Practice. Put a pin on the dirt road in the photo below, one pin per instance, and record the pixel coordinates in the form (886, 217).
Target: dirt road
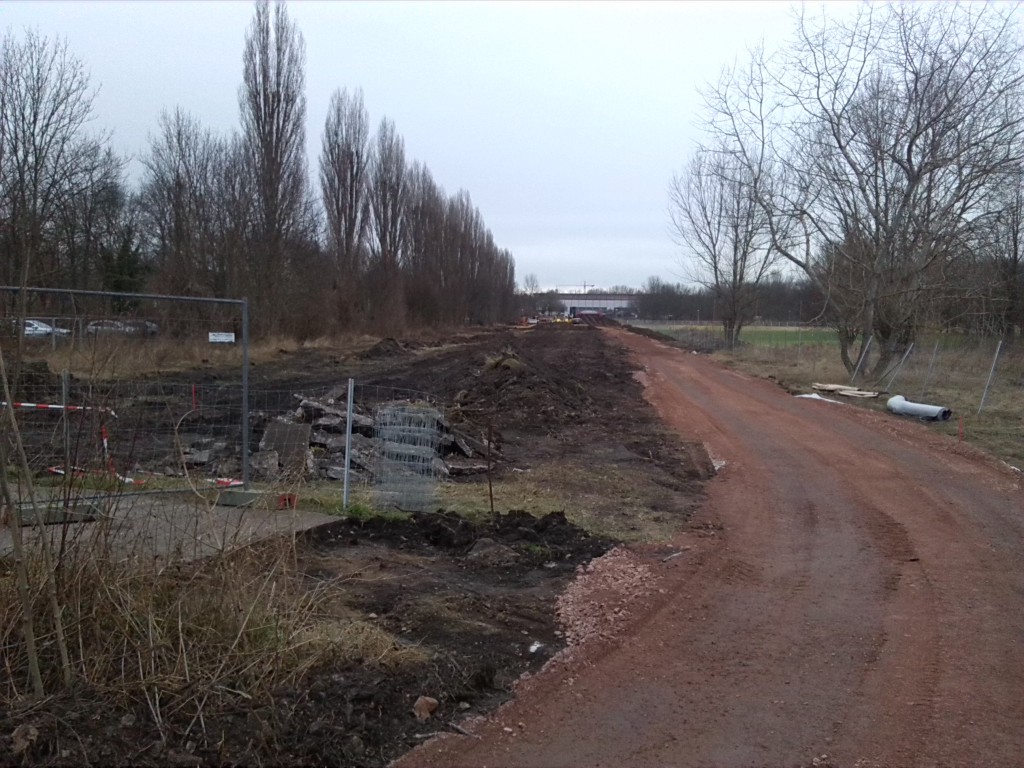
(853, 588)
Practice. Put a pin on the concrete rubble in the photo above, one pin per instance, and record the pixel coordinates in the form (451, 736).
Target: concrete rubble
(308, 441)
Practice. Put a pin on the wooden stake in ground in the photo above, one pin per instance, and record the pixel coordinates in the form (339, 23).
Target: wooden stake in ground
(490, 484)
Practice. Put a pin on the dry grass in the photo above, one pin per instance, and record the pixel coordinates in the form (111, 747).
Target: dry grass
(178, 642)
(601, 499)
(126, 357)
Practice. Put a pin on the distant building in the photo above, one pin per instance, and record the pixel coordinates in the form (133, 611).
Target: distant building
(609, 303)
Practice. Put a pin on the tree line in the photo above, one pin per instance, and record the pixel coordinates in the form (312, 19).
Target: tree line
(374, 243)
(880, 155)
(779, 299)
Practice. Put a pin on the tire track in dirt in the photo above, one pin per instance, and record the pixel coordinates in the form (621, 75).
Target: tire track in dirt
(861, 600)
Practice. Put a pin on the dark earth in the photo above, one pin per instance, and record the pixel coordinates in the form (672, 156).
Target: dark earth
(473, 595)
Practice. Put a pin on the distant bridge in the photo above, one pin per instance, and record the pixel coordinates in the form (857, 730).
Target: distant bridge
(605, 301)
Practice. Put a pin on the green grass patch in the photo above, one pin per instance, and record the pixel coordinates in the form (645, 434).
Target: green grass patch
(789, 337)
(753, 335)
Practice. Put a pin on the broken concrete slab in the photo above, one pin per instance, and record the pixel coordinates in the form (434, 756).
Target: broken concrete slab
(471, 446)
(463, 446)
(465, 467)
(315, 409)
(291, 441)
(330, 424)
(332, 443)
(197, 458)
(266, 463)
(52, 514)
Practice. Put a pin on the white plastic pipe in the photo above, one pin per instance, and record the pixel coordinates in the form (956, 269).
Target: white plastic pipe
(900, 405)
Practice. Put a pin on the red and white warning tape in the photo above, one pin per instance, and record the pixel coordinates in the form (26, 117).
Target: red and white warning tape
(78, 472)
(53, 407)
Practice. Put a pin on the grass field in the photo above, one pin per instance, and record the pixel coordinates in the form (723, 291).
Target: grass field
(755, 335)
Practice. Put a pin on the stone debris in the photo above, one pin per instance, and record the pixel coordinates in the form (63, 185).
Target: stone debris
(308, 440)
(599, 602)
(489, 552)
(424, 707)
(460, 454)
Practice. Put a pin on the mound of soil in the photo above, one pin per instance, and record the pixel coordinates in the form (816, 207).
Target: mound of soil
(535, 381)
(550, 539)
(385, 348)
(554, 392)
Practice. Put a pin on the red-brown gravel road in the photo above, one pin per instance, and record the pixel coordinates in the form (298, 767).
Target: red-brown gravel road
(853, 587)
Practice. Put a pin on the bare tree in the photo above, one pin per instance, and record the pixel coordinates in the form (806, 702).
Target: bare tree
(716, 218)
(232, 214)
(428, 283)
(178, 202)
(47, 104)
(273, 110)
(388, 199)
(998, 263)
(89, 219)
(344, 161)
(872, 145)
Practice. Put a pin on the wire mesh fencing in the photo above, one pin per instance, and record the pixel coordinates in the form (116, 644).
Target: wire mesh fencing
(124, 435)
(409, 435)
(385, 446)
(971, 374)
(148, 435)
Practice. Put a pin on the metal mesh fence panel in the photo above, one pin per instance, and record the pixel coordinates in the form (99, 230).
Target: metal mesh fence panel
(143, 436)
(409, 436)
(126, 435)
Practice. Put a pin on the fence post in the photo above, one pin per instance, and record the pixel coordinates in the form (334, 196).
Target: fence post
(245, 393)
(348, 439)
(67, 425)
(991, 373)
(928, 377)
(863, 357)
(900, 366)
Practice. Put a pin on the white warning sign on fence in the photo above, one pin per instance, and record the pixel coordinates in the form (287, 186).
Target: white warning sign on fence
(221, 338)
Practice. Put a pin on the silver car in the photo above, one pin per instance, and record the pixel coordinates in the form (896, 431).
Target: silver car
(37, 329)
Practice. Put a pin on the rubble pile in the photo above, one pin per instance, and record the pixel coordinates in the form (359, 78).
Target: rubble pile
(310, 442)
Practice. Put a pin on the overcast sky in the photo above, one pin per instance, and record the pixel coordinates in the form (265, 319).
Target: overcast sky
(564, 121)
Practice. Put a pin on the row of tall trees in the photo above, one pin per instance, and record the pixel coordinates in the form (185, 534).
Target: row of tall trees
(881, 155)
(419, 254)
(376, 245)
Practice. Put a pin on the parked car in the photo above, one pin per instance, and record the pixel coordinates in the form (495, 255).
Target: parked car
(122, 328)
(104, 328)
(143, 327)
(37, 329)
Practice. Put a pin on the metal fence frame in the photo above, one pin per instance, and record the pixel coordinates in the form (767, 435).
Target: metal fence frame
(242, 303)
